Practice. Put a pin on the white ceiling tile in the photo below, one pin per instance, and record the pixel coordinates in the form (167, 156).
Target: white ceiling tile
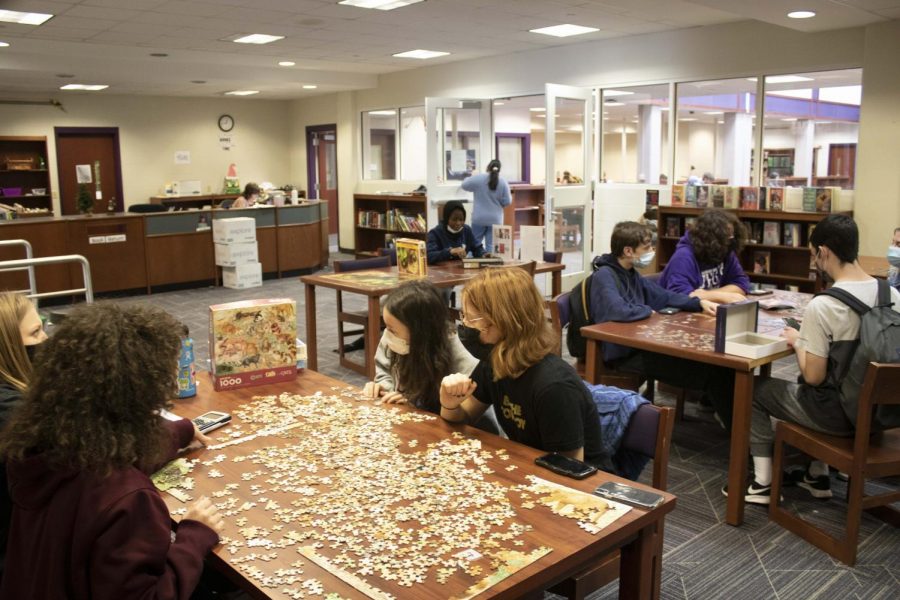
(101, 13)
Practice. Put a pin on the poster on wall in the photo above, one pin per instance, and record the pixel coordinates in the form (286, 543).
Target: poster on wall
(83, 174)
(182, 157)
(460, 164)
(226, 141)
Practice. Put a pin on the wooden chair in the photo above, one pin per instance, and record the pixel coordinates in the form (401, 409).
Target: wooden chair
(356, 318)
(553, 257)
(391, 252)
(529, 267)
(866, 455)
(649, 433)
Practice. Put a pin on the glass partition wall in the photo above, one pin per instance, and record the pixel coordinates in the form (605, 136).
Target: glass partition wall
(635, 124)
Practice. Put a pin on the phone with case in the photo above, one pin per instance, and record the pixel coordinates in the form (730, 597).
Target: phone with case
(612, 490)
(570, 467)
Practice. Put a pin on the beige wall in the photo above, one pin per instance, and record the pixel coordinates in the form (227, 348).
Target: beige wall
(151, 129)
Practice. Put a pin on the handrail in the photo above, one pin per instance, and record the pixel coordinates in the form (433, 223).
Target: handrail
(29, 254)
(87, 290)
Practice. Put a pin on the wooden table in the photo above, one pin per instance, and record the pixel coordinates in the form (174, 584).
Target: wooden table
(691, 336)
(572, 549)
(876, 266)
(375, 283)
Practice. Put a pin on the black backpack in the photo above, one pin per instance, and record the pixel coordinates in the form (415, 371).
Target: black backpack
(879, 341)
(580, 314)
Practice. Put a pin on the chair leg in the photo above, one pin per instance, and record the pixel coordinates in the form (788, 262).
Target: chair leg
(854, 515)
(679, 404)
(650, 392)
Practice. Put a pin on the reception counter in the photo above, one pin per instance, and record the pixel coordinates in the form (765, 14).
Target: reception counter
(129, 251)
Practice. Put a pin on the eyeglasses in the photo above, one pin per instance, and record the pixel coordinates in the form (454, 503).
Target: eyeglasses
(466, 320)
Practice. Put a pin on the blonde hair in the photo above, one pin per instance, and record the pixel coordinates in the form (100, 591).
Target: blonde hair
(15, 368)
(509, 299)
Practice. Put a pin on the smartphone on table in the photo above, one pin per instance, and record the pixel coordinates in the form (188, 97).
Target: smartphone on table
(792, 322)
(212, 420)
(612, 490)
(570, 467)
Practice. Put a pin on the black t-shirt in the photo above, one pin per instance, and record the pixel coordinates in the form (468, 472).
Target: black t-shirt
(548, 407)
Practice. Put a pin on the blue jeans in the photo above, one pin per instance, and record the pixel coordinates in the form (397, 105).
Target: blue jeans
(486, 232)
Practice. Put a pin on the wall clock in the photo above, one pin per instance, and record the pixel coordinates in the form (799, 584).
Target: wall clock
(226, 122)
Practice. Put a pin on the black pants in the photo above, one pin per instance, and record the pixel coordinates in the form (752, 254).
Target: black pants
(716, 382)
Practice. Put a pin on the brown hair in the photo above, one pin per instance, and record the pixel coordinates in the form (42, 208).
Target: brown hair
(629, 234)
(709, 236)
(15, 368)
(509, 299)
(96, 387)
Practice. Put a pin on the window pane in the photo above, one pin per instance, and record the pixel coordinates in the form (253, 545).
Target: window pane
(519, 126)
(379, 130)
(509, 151)
(461, 139)
(569, 146)
(715, 131)
(412, 143)
(811, 128)
(635, 134)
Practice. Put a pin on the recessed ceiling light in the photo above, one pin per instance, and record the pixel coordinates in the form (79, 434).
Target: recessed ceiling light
(720, 122)
(613, 103)
(383, 113)
(158, 54)
(790, 119)
(258, 38)
(714, 112)
(801, 14)
(824, 122)
(537, 109)
(198, 81)
(4, 44)
(420, 54)
(688, 119)
(379, 4)
(286, 63)
(242, 93)
(310, 87)
(82, 86)
(783, 79)
(565, 30)
(614, 93)
(24, 18)
(499, 103)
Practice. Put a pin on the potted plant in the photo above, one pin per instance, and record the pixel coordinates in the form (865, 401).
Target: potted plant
(84, 202)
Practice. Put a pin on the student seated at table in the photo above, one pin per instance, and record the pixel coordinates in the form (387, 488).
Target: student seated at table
(87, 521)
(418, 348)
(893, 256)
(452, 239)
(619, 293)
(828, 329)
(21, 331)
(705, 262)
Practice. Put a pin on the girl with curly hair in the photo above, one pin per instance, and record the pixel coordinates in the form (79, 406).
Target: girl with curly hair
(86, 520)
(705, 263)
(539, 399)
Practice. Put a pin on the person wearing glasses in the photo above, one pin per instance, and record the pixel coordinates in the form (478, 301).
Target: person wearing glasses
(539, 399)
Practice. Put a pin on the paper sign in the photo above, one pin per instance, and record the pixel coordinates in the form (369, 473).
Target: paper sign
(83, 174)
(226, 141)
(182, 157)
(532, 237)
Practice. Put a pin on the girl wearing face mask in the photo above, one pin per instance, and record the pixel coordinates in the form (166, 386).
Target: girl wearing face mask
(705, 264)
(452, 239)
(417, 349)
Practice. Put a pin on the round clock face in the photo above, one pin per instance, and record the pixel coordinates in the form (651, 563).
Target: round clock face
(226, 122)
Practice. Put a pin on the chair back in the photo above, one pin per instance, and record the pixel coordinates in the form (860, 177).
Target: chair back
(359, 264)
(529, 267)
(147, 208)
(650, 433)
(562, 307)
(392, 252)
(226, 203)
(880, 386)
(551, 256)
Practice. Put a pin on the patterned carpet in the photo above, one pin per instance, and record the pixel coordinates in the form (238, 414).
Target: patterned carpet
(704, 557)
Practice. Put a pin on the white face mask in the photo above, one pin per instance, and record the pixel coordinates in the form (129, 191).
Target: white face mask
(893, 256)
(644, 260)
(454, 231)
(396, 344)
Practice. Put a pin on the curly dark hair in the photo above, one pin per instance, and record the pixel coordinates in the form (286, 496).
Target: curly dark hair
(710, 238)
(420, 306)
(96, 386)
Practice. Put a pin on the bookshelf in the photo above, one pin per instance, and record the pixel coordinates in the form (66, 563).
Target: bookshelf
(526, 208)
(379, 214)
(780, 160)
(23, 170)
(788, 258)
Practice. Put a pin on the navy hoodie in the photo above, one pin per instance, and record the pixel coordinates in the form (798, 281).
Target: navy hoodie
(624, 296)
(440, 240)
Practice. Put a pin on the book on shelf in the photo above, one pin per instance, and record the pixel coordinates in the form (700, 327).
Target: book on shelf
(690, 195)
(775, 198)
(824, 197)
(809, 199)
(792, 234)
(793, 199)
(397, 221)
(689, 222)
(503, 241)
(411, 257)
(772, 233)
(756, 232)
(652, 198)
(732, 196)
(717, 196)
(673, 227)
(749, 196)
(702, 196)
(371, 218)
(678, 195)
(762, 262)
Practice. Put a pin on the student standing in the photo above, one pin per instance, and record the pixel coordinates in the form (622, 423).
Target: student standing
(491, 194)
(452, 239)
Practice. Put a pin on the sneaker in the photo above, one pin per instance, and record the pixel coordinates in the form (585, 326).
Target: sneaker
(818, 487)
(843, 476)
(756, 493)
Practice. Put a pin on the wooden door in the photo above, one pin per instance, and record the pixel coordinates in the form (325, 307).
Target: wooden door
(86, 146)
(322, 175)
(842, 162)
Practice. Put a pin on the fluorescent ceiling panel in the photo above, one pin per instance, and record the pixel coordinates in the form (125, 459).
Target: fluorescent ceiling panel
(24, 18)
(565, 30)
(259, 38)
(379, 4)
(81, 86)
(420, 54)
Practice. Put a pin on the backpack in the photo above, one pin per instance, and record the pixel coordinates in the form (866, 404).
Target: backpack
(580, 314)
(879, 341)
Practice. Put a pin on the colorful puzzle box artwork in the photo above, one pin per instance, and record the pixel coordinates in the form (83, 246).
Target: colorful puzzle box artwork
(253, 342)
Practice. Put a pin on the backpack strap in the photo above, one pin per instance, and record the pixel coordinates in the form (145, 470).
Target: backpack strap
(884, 293)
(849, 299)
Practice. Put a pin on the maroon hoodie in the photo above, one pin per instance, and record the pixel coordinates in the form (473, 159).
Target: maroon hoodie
(75, 534)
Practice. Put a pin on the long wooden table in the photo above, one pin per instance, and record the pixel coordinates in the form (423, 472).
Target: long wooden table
(375, 283)
(691, 336)
(571, 548)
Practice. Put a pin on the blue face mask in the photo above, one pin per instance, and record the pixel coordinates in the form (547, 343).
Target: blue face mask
(643, 261)
(893, 256)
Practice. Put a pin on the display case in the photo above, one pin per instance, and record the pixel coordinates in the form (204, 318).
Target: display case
(24, 176)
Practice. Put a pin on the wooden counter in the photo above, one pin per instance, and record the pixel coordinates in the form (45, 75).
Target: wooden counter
(193, 201)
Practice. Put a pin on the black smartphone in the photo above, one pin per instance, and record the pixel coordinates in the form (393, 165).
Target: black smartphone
(570, 467)
(669, 310)
(759, 292)
(212, 420)
(625, 493)
(792, 322)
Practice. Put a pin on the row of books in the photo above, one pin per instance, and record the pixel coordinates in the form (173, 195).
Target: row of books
(393, 220)
(806, 199)
(768, 233)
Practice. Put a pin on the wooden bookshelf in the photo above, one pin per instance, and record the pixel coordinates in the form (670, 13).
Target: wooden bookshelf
(526, 208)
(369, 239)
(23, 169)
(788, 264)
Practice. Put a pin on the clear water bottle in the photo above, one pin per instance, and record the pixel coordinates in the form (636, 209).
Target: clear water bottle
(187, 381)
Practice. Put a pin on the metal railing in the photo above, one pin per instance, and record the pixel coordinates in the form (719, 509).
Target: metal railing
(29, 254)
(30, 263)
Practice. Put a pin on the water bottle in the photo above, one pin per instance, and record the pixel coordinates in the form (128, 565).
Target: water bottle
(187, 382)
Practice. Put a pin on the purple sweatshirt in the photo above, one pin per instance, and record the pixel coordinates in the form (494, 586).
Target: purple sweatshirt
(683, 274)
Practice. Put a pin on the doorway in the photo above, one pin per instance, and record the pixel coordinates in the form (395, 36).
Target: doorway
(98, 148)
(321, 169)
